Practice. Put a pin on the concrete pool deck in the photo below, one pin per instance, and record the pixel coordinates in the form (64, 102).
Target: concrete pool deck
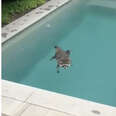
(22, 100)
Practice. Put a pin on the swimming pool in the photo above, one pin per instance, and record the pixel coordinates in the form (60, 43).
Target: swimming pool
(89, 32)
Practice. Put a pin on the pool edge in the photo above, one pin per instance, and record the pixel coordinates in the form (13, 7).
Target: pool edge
(21, 97)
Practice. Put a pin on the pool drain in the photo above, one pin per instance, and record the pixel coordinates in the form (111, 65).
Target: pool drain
(96, 112)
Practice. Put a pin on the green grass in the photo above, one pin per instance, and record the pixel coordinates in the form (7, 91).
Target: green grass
(11, 10)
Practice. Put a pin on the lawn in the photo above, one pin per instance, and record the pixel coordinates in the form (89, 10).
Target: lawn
(12, 9)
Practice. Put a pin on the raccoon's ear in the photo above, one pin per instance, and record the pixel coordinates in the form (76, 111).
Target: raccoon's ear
(55, 46)
(68, 52)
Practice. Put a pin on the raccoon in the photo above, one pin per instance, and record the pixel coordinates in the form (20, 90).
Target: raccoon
(62, 58)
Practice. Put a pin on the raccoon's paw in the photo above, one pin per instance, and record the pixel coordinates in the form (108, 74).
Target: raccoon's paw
(50, 59)
(58, 71)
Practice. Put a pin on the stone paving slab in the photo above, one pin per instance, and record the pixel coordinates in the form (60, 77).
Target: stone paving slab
(12, 107)
(11, 90)
(35, 110)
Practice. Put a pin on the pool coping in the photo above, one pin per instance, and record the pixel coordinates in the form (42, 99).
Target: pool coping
(19, 100)
(30, 18)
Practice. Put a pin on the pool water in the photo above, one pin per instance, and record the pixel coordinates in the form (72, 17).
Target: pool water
(89, 32)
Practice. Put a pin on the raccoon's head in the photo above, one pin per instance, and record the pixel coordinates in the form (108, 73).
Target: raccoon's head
(64, 63)
(65, 66)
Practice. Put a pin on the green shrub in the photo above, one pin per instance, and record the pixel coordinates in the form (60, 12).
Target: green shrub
(12, 8)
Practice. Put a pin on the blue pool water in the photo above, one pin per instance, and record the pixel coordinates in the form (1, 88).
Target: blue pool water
(89, 32)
